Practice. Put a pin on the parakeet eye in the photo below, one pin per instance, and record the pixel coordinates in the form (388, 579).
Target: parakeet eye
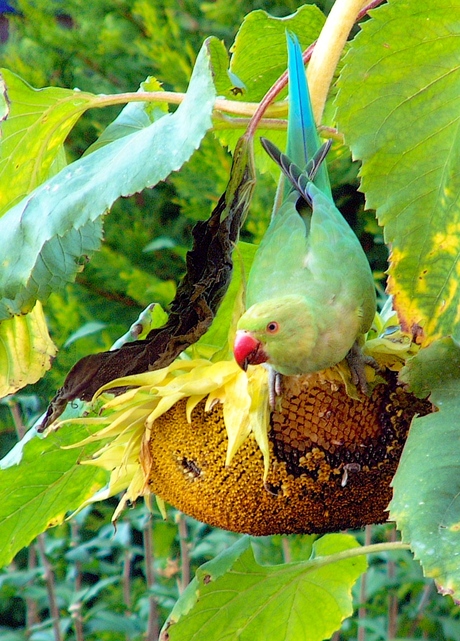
(272, 327)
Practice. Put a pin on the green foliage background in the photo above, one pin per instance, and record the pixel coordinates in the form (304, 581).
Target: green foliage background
(100, 575)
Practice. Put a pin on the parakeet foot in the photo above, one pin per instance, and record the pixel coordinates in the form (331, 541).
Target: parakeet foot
(356, 362)
(274, 386)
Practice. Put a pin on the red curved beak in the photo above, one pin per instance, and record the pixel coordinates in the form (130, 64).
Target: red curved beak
(248, 350)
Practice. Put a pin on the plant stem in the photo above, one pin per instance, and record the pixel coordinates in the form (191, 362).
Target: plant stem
(184, 553)
(127, 580)
(421, 607)
(226, 106)
(328, 50)
(77, 605)
(32, 617)
(362, 591)
(392, 597)
(50, 587)
(153, 627)
(368, 7)
(352, 552)
(15, 410)
(287, 557)
(343, 15)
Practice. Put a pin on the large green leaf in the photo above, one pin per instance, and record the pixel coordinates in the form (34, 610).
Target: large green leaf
(40, 489)
(26, 350)
(399, 106)
(45, 236)
(234, 597)
(426, 502)
(37, 123)
(259, 54)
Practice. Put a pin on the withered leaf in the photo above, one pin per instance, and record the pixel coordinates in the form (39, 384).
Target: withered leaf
(199, 294)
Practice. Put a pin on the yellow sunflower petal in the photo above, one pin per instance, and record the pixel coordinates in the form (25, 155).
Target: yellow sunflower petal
(192, 402)
(236, 413)
(163, 406)
(259, 413)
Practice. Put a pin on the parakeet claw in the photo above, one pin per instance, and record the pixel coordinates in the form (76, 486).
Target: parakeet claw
(274, 386)
(356, 362)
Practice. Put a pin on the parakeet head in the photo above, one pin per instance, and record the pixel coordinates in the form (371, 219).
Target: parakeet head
(275, 331)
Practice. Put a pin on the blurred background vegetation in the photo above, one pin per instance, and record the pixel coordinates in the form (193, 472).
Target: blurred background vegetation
(105, 584)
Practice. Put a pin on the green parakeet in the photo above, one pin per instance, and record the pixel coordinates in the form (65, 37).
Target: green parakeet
(310, 292)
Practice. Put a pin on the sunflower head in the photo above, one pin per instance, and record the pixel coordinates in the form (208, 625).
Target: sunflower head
(199, 434)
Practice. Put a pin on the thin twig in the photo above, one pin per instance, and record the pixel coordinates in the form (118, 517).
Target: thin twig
(271, 95)
(375, 548)
(50, 588)
(222, 121)
(176, 98)
(153, 626)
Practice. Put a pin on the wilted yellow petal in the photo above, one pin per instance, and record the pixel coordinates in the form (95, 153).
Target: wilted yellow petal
(192, 402)
(135, 489)
(122, 399)
(163, 406)
(147, 379)
(259, 413)
(236, 413)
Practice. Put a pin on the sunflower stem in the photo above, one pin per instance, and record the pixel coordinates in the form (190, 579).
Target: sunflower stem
(363, 591)
(50, 587)
(184, 553)
(359, 551)
(392, 597)
(153, 628)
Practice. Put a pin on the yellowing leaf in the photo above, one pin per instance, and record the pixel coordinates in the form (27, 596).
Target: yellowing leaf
(26, 350)
(38, 122)
(398, 106)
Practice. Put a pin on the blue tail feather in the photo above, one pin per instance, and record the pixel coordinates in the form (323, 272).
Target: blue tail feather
(302, 137)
